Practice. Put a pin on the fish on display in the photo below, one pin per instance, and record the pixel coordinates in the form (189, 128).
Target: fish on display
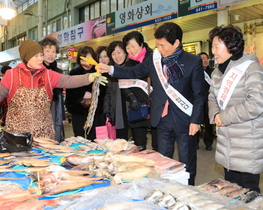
(153, 196)
(250, 196)
(166, 200)
(63, 186)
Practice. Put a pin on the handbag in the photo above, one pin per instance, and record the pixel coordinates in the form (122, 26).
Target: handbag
(86, 100)
(143, 113)
(15, 142)
(106, 131)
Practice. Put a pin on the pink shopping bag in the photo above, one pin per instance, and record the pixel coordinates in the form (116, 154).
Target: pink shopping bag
(106, 131)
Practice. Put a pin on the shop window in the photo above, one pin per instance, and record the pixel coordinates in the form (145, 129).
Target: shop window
(69, 20)
(17, 41)
(33, 34)
(113, 7)
(92, 11)
(83, 14)
(121, 4)
(105, 9)
(54, 26)
(49, 29)
(97, 9)
(59, 24)
(44, 31)
(65, 22)
(3, 46)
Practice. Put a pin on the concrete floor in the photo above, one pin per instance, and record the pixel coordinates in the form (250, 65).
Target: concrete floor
(207, 168)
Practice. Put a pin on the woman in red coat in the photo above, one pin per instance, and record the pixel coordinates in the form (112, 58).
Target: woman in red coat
(29, 91)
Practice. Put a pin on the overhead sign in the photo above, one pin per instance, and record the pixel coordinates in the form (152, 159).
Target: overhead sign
(81, 32)
(145, 13)
(187, 7)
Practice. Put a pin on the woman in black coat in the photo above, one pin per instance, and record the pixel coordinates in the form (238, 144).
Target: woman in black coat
(74, 97)
(114, 103)
(138, 51)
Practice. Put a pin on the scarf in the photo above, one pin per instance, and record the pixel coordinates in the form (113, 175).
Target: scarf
(140, 57)
(222, 67)
(52, 66)
(175, 71)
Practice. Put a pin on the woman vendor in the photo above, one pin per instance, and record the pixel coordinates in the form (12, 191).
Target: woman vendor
(29, 91)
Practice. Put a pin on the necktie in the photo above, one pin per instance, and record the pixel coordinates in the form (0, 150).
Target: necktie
(165, 108)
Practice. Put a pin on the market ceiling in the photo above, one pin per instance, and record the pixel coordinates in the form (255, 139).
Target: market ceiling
(245, 12)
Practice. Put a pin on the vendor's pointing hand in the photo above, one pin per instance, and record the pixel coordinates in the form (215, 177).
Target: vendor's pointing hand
(103, 68)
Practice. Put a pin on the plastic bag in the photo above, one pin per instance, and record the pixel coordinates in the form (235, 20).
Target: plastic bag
(15, 142)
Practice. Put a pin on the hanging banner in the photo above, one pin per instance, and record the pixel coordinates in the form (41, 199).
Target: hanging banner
(183, 6)
(81, 32)
(110, 23)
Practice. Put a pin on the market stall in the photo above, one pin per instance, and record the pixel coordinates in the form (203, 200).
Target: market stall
(108, 174)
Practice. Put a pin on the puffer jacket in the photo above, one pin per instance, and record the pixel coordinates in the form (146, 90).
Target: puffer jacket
(240, 142)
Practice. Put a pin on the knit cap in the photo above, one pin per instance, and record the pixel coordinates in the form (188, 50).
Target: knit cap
(28, 49)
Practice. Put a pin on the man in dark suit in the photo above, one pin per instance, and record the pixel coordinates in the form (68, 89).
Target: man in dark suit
(178, 94)
(209, 128)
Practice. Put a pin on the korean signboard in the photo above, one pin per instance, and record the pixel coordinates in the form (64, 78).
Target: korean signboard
(187, 7)
(145, 13)
(81, 32)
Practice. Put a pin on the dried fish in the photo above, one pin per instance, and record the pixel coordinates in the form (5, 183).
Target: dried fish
(133, 174)
(62, 186)
(153, 196)
(227, 190)
(179, 205)
(166, 201)
(79, 159)
(237, 193)
(34, 162)
(93, 106)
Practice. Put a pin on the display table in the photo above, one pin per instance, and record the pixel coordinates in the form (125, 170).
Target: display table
(47, 180)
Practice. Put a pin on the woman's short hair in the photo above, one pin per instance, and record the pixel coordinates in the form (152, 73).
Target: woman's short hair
(170, 31)
(83, 51)
(99, 50)
(231, 36)
(112, 47)
(49, 41)
(133, 35)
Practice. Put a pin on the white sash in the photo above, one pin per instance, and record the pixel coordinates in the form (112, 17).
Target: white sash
(229, 83)
(207, 78)
(173, 94)
(128, 83)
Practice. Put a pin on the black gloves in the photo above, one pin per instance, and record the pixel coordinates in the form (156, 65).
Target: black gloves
(134, 103)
